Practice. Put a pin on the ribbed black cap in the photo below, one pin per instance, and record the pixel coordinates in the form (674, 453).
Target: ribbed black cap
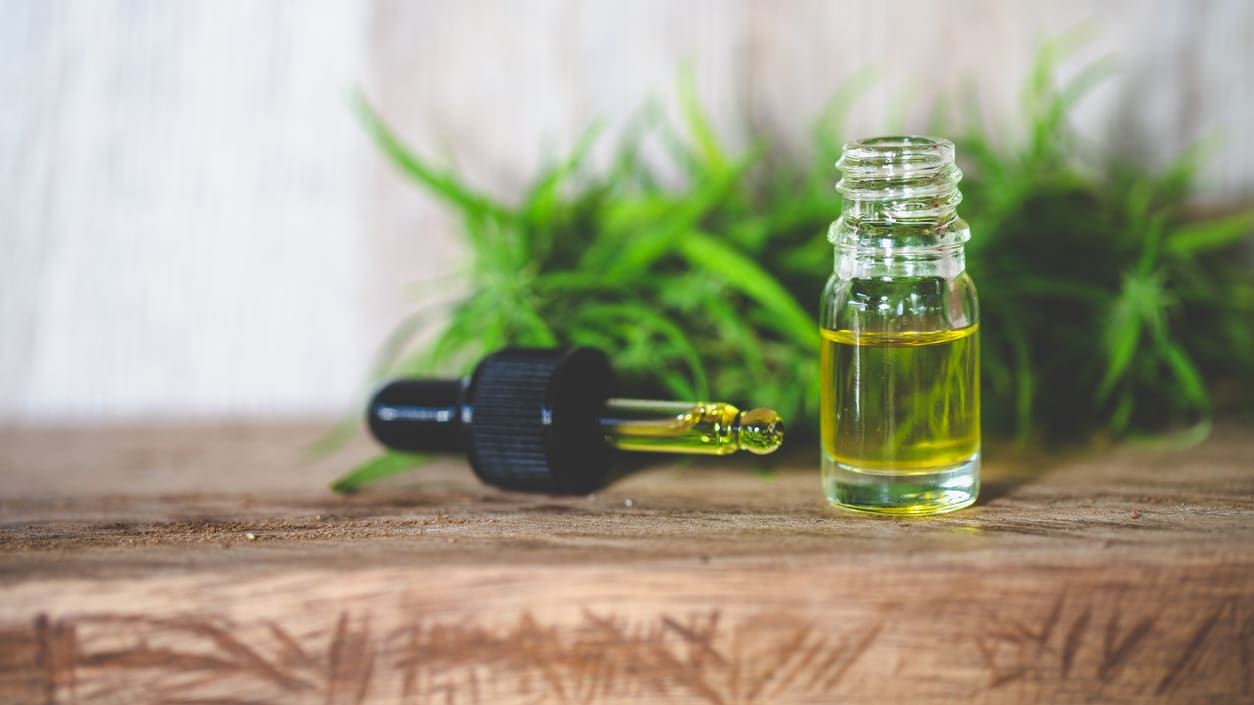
(527, 418)
(533, 420)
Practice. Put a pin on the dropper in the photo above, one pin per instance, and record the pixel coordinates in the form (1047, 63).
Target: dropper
(703, 428)
(541, 419)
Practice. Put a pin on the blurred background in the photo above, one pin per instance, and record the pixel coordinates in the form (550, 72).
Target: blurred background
(194, 223)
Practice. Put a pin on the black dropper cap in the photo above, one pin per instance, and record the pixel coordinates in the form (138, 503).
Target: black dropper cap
(526, 417)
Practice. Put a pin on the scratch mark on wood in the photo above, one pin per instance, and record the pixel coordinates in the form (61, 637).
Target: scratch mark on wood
(55, 656)
(246, 658)
(833, 655)
(1000, 679)
(808, 654)
(1190, 653)
(215, 701)
(474, 685)
(1071, 644)
(146, 657)
(350, 659)
(365, 664)
(784, 653)
(853, 655)
(531, 640)
(335, 656)
(700, 640)
(1244, 636)
(44, 659)
(1051, 621)
(409, 671)
(1115, 654)
(293, 654)
(688, 677)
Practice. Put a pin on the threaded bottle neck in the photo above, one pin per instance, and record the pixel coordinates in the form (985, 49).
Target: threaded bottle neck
(900, 207)
(900, 179)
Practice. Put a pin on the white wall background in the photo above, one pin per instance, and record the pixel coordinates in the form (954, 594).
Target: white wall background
(192, 222)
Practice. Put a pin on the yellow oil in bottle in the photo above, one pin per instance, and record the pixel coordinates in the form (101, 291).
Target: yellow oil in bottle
(901, 420)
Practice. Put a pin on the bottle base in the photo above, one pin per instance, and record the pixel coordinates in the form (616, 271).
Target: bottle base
(877, 492)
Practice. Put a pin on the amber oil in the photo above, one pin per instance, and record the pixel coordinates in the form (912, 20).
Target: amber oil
(900, 419)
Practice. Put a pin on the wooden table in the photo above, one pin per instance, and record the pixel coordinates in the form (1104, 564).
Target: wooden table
(209, 565)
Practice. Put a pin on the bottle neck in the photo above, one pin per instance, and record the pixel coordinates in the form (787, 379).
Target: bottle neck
(900, 214)
(864, 262)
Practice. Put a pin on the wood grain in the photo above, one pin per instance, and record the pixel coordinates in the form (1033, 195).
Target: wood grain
(206, 564)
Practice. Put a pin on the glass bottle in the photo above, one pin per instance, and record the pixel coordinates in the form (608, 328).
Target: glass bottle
(900, 397)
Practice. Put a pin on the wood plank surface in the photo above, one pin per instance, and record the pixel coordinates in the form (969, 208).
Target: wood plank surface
(208, 564)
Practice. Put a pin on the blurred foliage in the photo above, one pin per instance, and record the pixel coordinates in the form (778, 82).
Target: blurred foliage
(1106, 309)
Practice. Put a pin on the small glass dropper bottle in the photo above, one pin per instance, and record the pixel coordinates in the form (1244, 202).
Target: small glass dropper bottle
(900, 395)
(540, 419)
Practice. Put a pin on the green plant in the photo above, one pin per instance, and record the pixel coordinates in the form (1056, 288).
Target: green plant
(1106, 309)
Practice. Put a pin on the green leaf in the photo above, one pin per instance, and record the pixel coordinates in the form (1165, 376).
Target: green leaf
(733, 328)
(1209, 235)
(678, 386)
(1079, 86)
(566, 282)
(1121, 417)
(1122, 349)
(635, 317)
(645, 249)
(383, 465)
(536, 331)
(1182, 439)
(463, 337)
(443, 185)
(1180, 174)
(1186, 373)
(744, 275)
(539, 205)
(1151, 238)
(1123, 333)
